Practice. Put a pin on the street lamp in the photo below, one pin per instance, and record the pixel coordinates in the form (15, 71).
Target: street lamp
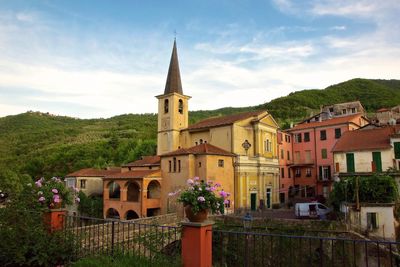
(247, 221)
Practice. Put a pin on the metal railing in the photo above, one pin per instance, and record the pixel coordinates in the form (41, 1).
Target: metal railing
(111, 237)
(234, 248)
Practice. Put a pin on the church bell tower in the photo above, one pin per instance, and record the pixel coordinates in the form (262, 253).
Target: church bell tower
(172, 109)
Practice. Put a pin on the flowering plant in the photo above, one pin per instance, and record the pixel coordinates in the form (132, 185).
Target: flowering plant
(52, 193)
(203, 196)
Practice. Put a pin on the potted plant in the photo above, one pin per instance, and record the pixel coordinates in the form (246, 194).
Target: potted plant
(202, 197)
(52, 196)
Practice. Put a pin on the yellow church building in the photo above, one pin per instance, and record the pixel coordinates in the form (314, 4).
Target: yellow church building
(240, 151)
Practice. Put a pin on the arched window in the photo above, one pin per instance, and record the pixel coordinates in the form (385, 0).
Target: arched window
(174, 164)
(166, 105)
(180, 107)
(131, 215)
(114, 190)
(201, 141)
(133, 192)
(154, 190)
(112, 213)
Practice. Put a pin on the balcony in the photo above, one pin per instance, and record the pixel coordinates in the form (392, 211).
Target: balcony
(301, 162)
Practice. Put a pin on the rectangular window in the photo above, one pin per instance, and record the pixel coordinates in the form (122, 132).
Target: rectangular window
(288, 155)
(324, 173)
(338, 133)
(298, 172)
(174, 159)
(70, 182)
(268, 145)
(306, 137)
(170, 166)
(220, 163)
(297, 156)
(324, 153)
(308, 172)
(353, 110)
(397, 150)
(282, 173)
(372, 221)
(344, 111)
(179, 166)
(377, 161)
(323, 134)
(83, 184)
(350, 162)
(308, 156)
(282, 154)
(288, 137)
(297, 138)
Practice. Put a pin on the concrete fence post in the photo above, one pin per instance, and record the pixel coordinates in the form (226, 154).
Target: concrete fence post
(197, 244)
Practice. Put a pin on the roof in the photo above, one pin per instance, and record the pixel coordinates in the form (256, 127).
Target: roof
(131, 174)
(173, 84)
(383, 110)
(333, 121)
(91, 172)
(366, 139)
(223, 120)
(202, 149)
(144, 162)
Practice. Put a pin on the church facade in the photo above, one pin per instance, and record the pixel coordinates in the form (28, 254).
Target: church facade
(240, 151)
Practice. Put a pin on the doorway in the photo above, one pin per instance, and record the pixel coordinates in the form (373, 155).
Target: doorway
(268, 198)
(253, 199)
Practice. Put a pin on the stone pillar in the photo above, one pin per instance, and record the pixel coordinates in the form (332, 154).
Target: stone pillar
(197, 244)
(54, 219)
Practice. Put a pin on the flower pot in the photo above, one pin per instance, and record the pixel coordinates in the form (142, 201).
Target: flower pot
(200, 216)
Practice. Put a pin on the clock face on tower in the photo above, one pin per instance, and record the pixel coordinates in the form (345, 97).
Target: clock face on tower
(164, 123)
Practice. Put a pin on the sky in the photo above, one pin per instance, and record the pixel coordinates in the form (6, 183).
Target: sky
(98, 59)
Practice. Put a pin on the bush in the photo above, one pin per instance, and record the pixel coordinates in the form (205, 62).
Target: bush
(91, 206)
(25, 240)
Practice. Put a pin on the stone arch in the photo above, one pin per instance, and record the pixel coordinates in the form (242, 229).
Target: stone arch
(131, 215)
(112, 213)
(154, 189)
(114, 190)
(133, 192)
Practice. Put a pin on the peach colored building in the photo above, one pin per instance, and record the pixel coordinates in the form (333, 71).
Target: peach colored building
(285, 159)
(312, 164)
(132, 194)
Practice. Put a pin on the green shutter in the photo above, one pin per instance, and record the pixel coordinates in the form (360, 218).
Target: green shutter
(397, 150)
(376, 157)
(350, 162)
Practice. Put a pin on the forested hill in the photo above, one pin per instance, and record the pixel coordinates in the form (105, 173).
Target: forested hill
(37, 143)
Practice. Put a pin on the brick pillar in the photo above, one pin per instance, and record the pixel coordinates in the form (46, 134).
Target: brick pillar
(54, 219)
(197, 244)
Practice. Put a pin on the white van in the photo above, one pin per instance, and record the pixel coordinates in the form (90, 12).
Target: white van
(311, 210)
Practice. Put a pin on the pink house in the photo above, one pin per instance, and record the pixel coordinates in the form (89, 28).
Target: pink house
(312, 161)
(285, 159)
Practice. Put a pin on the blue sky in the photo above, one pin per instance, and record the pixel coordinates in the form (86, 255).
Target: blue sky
(92, 59)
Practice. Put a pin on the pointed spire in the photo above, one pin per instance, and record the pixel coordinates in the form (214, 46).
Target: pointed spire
(173, 84)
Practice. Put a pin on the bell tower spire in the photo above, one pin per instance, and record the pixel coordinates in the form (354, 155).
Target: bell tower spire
(173, 114)
(173, 84)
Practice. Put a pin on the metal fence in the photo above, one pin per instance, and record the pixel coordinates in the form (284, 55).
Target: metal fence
(234, 248)
(114, 237)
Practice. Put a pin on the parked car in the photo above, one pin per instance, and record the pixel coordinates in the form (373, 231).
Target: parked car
(311, 210)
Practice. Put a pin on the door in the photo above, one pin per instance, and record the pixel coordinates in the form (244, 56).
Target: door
(350, 162)
(376, 158)
(253, 199)
(268, 198)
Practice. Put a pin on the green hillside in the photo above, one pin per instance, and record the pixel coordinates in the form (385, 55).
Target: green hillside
(38, 144)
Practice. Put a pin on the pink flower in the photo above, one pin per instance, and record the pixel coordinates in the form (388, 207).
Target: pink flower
(201, 199)
(217, 184)
(54, 190)
(38, 183)
(223, 194)
(77, 199)
(41, 199)
(171, 194)
(76, 189)
(226, 201)
(196, 178)
(212, 188)
(189, 182)
(56, 199)
(208, 188)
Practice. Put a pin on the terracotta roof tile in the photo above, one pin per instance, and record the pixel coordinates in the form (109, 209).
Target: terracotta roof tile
(333, 121)
(224, 120)
(144, 162)
(365, 139)
(91, 172)
(131, 174)
(202, 149)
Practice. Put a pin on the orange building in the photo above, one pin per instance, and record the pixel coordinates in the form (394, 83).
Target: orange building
(285, 160)
(135, 191)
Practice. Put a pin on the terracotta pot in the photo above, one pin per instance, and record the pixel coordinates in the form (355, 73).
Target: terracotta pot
(54, 219)
(200, 216)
